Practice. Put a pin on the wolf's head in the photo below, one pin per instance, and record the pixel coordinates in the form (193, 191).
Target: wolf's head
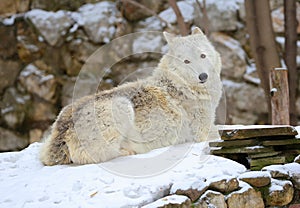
(193, 58)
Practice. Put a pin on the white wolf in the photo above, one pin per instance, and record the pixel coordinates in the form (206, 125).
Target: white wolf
(175, 105)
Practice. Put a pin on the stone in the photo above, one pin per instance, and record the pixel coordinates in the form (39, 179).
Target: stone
(232, 55)
(148, 42)
(280, 193)
(11, 141)
(129, 71)
(245, 97)
(187, 10)
(42, 111)
(297, 159)
(7, 8)
(39, 83)
(246, 197)
(211, 199)
(275, 4)
(134, 13)
(75, 54)
(22, 5)
(276, 171)
(248, 150)
(35, 135)
(99, 21)
(294, 173)
(256, 178)
(224, 185)
(9, 71)
(8, 41)
(278, 18)
(14, 108)
(234, 143)
(259, 163)
(149, 24)
(222, 16)
(253, 131)
(172, 201)
(55, 5)
(30, 47)
(83, 88)
(52, 26)
(192, 189)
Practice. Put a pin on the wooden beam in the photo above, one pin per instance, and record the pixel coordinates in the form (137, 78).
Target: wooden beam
(279, 90)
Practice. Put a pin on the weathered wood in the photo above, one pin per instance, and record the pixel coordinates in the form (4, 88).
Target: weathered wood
(263, 47)
(246, 150)
(279, 96)
(290, 56)
(280, 142)
(234, 143)
(246, 132)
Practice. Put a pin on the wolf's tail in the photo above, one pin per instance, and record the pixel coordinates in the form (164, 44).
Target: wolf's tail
(55, 149)
(54, 152)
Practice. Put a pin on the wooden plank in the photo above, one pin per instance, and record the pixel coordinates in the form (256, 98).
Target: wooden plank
(279, 87)
(234, 143)
(280, 142)
(247, 150)
(246, 132)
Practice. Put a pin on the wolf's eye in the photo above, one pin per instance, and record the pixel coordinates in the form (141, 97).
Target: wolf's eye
(203, 55)
(186, 61)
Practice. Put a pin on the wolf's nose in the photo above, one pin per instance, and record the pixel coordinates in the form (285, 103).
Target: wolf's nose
(203, 77)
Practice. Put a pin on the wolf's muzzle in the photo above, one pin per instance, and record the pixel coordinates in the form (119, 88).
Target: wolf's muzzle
(203, 77)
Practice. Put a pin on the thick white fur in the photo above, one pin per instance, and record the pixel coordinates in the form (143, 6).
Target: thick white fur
(170, 107)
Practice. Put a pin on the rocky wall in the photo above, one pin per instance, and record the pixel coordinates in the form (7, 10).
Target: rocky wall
(273, 186)
(43, 47)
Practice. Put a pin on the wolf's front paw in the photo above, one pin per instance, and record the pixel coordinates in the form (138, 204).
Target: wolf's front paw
(126, 152)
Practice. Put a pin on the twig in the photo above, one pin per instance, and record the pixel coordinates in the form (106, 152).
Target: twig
(182, 26)
(205, 20)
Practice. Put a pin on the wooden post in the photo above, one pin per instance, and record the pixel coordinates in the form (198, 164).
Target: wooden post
(279, 96)
(290, 28)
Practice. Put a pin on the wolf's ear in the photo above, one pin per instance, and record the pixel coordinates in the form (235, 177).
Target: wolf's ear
(169, 37)
(197, 30)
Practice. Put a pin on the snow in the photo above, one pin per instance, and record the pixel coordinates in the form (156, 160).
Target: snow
(276, 168)
(9, 21)
(244, 187)
(25, 182)
(173, 199)
(225, 5)
(298, 130)
(149, 42)
(255, 174)
(30, 69)
(186, 8)
(228, 127)
(278, 185)
(197, 184)
(255, 147)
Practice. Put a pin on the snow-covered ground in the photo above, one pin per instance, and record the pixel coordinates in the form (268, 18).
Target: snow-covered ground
(25, 182)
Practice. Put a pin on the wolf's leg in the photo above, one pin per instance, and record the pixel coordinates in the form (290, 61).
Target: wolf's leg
(124, 120)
